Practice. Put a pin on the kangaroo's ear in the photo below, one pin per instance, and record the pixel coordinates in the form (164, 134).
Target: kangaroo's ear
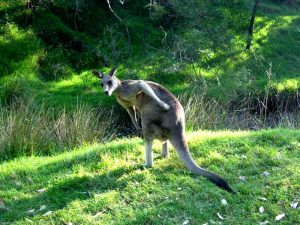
(97, 74)
(113, 71)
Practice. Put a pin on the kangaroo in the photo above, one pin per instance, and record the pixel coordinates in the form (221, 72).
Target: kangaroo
(162, 117)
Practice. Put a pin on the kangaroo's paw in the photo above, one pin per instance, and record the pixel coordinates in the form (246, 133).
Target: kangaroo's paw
(145, 166)
(165, 106)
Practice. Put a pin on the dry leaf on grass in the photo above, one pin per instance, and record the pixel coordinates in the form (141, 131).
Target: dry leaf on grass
(43, 207)
(31, 211)
(221, 217)
(41, 190)
(279, 217)
(185, 222)
(98, 214)
(266, 173)
(294, 205)
(261, 209)
(224, 202)
(242, 178)
(265, 222)
(48, 213)
(262, 198)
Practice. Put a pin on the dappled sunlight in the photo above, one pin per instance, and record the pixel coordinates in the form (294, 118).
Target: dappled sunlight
(21, 49)
(102, 183)
(266, 26)
(7, 4)
(199, 136)
(71, 82)
(70, 155)
(13, 33)
(287, 85)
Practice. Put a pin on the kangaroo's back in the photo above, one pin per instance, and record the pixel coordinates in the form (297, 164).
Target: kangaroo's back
(171, 119)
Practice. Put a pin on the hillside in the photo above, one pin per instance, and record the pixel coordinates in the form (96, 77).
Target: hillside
(51, 102)
(105, 184)
(50, 48)
(70, 155)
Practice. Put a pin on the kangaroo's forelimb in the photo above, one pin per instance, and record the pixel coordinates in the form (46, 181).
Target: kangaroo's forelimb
(148, 91)
(132, 113)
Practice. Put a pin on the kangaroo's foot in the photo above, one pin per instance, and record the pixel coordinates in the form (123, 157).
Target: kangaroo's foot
(165, 106)
(145, 166)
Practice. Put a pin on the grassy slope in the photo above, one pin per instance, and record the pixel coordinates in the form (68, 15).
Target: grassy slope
(103, 184)
(275, 41)
(274, 48)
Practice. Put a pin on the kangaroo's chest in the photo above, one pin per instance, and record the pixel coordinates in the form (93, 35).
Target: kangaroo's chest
(131, 100)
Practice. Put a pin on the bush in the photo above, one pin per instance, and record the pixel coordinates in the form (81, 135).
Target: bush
(202, 113)
(53, 65)
(14, 90)
(27, 128)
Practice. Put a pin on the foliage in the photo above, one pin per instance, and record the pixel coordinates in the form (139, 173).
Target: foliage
(55, 40)
(194, 49)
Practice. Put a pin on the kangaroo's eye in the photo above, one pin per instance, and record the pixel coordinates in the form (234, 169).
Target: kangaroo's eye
(109, 83)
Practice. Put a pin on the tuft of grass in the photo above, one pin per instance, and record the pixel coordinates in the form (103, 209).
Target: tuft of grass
(30, 128)
(104, 184)
(203, 113)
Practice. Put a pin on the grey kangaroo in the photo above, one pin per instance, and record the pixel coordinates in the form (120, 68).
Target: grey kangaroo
(162, 117)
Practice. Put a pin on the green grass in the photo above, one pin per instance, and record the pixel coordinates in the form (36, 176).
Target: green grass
(104, 184)
(50, 52)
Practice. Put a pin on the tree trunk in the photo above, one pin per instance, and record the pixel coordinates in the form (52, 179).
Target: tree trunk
(250, 32)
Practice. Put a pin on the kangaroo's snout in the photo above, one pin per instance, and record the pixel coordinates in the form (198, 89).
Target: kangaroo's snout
(106, 92)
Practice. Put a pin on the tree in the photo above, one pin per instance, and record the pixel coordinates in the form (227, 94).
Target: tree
(250, 32)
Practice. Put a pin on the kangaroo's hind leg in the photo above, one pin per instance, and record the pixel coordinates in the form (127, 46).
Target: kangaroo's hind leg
(165, 150)
(148, 153)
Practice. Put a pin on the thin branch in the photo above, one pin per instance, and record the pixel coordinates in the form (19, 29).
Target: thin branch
(108, 2)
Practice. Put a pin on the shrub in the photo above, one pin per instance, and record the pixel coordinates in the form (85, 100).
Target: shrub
(15, 89)
(28, 128)
(54, 65)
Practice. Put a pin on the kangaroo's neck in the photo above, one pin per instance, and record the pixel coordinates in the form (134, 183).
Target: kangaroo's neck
(118, 90)
(123, 88)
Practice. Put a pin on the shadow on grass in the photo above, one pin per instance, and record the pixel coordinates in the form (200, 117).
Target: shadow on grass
(65, 189)
(16, 50)
(65, 183)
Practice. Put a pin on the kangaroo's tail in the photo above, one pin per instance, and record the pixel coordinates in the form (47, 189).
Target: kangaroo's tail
(181, 146)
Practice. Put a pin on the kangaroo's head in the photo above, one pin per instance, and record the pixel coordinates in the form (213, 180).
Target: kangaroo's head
(108, 82)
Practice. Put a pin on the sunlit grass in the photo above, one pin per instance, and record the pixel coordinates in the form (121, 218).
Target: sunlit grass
(104, 184)
(289, 85)
(222, 66)
(6, 4)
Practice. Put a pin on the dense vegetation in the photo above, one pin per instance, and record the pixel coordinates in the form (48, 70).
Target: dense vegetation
(197, 50)
(55, 44)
